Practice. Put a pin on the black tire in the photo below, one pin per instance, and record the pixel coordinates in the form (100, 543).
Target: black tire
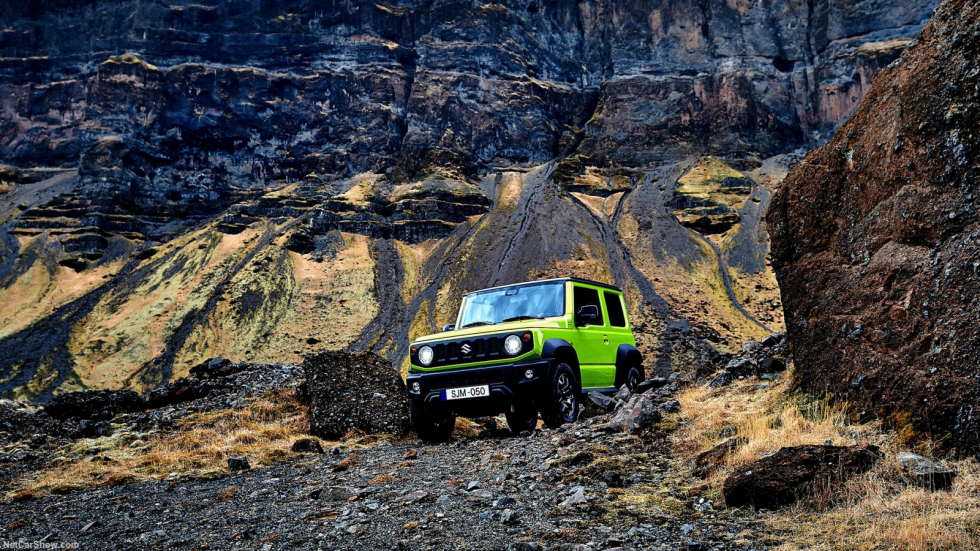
(561, 401)
(633, 378)
(521, 418)
(432, 424)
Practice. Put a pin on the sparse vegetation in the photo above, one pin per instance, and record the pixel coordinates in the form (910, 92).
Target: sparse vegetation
(880, 509)
(263, 430)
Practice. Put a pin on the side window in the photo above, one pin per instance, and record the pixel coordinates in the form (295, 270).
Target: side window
(583, 296)
(614, 307)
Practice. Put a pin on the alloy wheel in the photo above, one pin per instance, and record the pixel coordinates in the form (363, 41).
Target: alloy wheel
(566, 396)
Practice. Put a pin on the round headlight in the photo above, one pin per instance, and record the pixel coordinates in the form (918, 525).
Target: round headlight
(425, 355)
(512, 345)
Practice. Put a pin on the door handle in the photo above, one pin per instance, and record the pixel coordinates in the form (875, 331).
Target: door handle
(605, 339)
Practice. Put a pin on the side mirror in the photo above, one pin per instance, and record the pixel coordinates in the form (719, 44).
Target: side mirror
(449, 327)
(587, 314)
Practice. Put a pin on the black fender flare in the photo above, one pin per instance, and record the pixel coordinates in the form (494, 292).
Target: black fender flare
(627, 356)
(560, 348)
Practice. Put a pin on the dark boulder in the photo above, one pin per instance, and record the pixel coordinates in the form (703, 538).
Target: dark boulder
(782, 477)
(350, 392)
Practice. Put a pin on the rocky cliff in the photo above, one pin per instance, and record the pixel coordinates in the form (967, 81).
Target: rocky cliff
(875, 242)
(185, 179)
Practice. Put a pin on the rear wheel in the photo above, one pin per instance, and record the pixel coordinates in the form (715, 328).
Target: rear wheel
(521, 418)
(561, 402)
(432, 424)
(633, 379)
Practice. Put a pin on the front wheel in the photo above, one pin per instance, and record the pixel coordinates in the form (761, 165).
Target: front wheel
(561, 401)
(432, 424)
(521, 418)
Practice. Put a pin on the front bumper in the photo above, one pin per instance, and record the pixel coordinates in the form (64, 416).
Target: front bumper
(507, 382)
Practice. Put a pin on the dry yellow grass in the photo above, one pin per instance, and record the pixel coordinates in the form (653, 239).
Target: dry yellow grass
(879, 510)
(262, 431)
(381, 479)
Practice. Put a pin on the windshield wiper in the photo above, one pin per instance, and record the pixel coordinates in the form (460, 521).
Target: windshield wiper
(477, 324)
(519, 318)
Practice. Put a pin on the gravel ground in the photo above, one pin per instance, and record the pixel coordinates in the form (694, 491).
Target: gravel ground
(496, 491)
(584, 486)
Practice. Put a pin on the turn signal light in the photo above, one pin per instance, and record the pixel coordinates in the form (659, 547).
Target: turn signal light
(527, 336)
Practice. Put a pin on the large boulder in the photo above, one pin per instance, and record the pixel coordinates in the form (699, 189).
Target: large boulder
(875, 241)
(355, 392)
(782, 477)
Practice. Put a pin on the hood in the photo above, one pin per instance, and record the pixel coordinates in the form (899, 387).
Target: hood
(513, 326)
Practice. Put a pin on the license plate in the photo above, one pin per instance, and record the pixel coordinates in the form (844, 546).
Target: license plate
(480, 391)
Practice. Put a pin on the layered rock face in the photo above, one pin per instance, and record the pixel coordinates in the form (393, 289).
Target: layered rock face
(875, 242)
(185, 179)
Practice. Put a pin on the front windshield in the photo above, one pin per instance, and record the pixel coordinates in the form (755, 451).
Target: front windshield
(515, 303)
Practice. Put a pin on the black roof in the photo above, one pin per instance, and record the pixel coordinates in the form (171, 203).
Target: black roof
(575, 279)
(596, 283)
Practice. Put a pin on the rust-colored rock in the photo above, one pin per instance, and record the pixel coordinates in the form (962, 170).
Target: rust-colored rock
(876, 241)
(790, 472)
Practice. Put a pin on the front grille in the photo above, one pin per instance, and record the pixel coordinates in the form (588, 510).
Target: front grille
(469, 350)
(451, 380)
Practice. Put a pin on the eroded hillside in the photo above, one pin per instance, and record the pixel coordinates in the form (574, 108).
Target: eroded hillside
(257, 179)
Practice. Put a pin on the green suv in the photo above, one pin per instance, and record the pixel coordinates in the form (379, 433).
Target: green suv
(523, 349)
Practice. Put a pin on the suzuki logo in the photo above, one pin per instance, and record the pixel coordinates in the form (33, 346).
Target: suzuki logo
(465, 349)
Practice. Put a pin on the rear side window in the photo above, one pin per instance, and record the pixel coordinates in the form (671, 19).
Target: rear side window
(614, 307)
(583, 296)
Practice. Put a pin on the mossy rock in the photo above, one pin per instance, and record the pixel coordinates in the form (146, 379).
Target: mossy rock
(707, 196)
